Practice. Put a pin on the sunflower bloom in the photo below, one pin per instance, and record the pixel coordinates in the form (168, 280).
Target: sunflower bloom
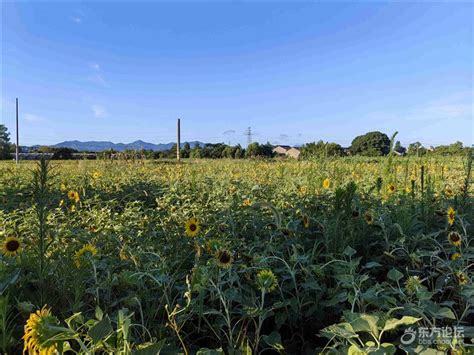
(412, 284)
(461, 277)
(266, 280)
(37, 333)
(247, 202)
(11, 246)
(448, 192)
(391, 188)
(224, 258)
(73, 196)
(87, 250)
(451, 215)
(327, 183)
(455, 239)
(96, 175)
(455, 256)
(192, 227)
(369, 218)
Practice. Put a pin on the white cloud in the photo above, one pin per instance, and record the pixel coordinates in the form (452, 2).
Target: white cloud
(99, 111)
(97, 77)
(32, 118)
(76, 19)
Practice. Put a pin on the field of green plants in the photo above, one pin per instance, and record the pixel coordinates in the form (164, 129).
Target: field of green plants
(237, 257)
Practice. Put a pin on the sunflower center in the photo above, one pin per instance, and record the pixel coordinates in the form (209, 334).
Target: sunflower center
(225, 258)
(192, 227)
(455, 237)
(13, 245)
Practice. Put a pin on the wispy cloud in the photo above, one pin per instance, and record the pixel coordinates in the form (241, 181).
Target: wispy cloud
(97, 77)
(229, 132)
(32, 118)
(76, 19)
(99, 111)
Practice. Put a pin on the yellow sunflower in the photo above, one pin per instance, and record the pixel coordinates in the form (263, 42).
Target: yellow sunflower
(369, 218)
(391, 188)
(224, 258)
(455, 256)
(266, 280)
(448, 192)
(11, 246)
(327, 183)
(455, 238)
(192, 227)
(87, 250)
(96, 174)
(461, 277)
(247, 202)
(451, 215)
(73, 196)
(38, 330)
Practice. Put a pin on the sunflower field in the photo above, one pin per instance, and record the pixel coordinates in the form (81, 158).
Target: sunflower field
(344, 256)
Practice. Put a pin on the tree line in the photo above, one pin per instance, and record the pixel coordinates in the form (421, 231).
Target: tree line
(371, 144)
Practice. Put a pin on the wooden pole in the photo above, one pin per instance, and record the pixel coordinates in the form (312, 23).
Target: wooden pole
(178, 144)
(17, 151)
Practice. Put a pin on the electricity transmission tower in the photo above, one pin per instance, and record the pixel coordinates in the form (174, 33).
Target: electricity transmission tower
(248, 133)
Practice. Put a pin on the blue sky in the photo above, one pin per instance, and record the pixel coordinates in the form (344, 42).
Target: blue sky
(294, 73)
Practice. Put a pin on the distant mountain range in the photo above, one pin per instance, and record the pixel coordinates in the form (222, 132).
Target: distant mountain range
(98, 146)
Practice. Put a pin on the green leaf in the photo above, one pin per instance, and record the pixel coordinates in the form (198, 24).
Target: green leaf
(445, 312)
(363, 323)
(149, 348)
(100, 330)
(355, 350)
(349, 251)
(274, 340)
(394, 323)
(343, 330)
(206, 351)
(395, 275)
(98, 313)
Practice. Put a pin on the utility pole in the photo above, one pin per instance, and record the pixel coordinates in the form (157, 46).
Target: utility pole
(17, 152)
(178, 144)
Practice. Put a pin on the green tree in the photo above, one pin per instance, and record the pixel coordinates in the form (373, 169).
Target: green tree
(63, 153)
(321, 150)
(259, 150)
(371, 144)
(196, 152)
(4, 142)
(416, 149)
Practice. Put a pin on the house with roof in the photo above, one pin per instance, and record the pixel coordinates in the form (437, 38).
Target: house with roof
(286, 151)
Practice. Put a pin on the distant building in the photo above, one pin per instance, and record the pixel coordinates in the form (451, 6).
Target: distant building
(286, 151)
(281, 149)
(293, 153)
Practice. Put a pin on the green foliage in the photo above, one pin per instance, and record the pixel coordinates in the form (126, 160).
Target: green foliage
(4, 143)
(321, 150)
(305, 269)
(371, 144)
(259, 150)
